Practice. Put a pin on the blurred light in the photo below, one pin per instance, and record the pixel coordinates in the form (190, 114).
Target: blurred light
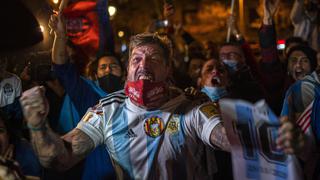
(41, 28)
(281, 44)
(166, 23)
(55, 1)
(112, 10)
(123, 47)
(120, 34)
(281, 41)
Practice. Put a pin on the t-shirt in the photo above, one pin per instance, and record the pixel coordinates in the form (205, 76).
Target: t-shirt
(167, 143)
(301, 94)
(10, 88)
(299, 101)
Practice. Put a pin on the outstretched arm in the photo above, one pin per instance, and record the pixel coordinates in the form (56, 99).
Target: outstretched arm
(219, 138)
(61, 153)
(53, 151)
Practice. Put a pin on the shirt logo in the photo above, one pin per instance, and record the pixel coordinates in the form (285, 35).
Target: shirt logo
(210, 110)
(130, 134)
(8, 89)
(173, 125)
(153, 126)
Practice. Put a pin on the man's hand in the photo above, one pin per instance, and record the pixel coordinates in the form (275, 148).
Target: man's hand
(56, 24)
(35, 106)
(231, 22)
(291, 139)
(269, 8)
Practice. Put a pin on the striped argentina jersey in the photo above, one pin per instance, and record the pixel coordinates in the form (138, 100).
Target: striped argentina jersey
(167, 143)
(300, 95)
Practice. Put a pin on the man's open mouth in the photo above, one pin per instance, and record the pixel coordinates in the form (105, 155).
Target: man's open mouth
(146, 77)
(216, 81)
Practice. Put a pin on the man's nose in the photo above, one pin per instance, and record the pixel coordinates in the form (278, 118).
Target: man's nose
(299, 63)
(108, 70)
(215, 72)
(144, 63)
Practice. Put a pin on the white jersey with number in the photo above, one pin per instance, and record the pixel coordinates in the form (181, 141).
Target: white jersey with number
(252, 130)
(10, 88)
(168, 143)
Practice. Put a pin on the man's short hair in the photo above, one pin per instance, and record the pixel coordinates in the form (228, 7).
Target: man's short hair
(152, 38)
(234, 44)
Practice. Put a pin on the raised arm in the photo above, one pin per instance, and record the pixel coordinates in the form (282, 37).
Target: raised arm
(53, 151)
(59, 54)
(297, 12)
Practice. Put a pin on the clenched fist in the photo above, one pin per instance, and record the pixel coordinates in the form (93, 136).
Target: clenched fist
(35, 106)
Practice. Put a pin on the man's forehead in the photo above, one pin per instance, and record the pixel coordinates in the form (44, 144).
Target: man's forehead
(107, 60)
(230, 48)
(147, 49)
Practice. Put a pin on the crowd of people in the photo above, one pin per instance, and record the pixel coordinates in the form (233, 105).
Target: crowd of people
(154, 113)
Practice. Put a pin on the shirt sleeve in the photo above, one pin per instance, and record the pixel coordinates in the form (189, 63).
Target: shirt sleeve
(92, 124)
(204, 118)
(18, 87)
(81, 93)
(298, 97)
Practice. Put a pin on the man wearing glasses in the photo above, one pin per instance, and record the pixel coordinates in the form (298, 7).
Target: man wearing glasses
(242, 83)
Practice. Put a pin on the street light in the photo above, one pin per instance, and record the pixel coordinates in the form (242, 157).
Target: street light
(112, 10)
(120, 34)
(55, 1)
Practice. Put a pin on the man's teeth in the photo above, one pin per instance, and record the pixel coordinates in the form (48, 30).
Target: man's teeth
(216, 80)
(146, 77)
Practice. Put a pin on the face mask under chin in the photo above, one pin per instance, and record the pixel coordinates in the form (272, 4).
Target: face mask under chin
(215, 93)
(110, 83)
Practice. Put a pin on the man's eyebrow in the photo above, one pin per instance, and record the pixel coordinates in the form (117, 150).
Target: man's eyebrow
(135, 53)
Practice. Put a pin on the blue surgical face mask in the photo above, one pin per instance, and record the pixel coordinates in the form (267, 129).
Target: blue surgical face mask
(215, 93)
(232, 65)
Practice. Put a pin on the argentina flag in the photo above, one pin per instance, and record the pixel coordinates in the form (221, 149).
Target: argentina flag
(252, 130)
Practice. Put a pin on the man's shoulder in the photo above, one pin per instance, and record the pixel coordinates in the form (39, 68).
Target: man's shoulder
(117, 97)
(309, 82)
(11, 77)
(191, 99)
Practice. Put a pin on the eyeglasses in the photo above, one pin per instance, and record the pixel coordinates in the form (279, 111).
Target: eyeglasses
(230, 55)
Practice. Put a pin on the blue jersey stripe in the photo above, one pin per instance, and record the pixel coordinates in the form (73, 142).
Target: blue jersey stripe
(120, 142)
(281, 168)
(253, 170)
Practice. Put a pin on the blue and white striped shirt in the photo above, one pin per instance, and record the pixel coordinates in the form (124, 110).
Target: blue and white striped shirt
(168, 143)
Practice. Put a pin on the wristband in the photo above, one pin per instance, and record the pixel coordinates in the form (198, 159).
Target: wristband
(40, 128)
